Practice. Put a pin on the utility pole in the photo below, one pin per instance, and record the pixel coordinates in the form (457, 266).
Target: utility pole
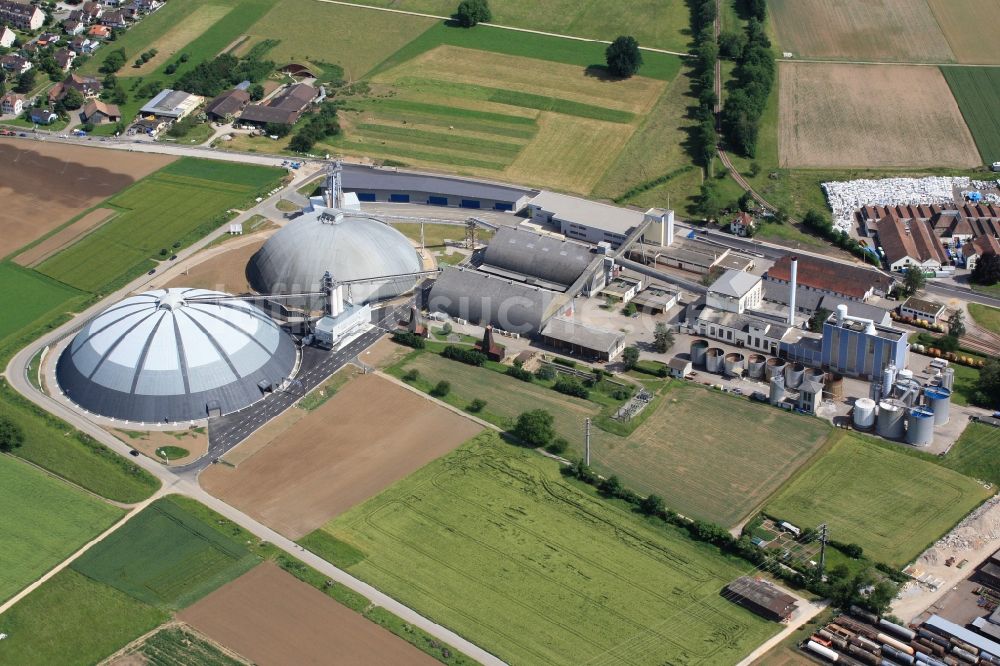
(422, 247)
(586, 443)
(823, 536)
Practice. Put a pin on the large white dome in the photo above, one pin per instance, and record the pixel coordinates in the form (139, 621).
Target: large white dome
(165, 355)
(350, 246)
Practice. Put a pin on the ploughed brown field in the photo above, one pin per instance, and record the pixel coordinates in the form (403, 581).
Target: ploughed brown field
(270, 617)
(835, 115)
(371, 434)
(44, 185)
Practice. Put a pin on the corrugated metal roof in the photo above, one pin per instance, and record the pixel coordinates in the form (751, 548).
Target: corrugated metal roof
(360, 177)
(484, 299)
(532, 254)
(575, 333)
(963, 634)
(588, 213)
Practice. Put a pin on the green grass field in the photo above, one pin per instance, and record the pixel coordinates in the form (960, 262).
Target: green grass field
(54, 445)
(977, 91)
(178, 645)
(976, 454)
(73, 621)
(28, 297)
(873, 494)
(656, 23)
(985, 316)
(667, 453)
(166, 557)
(492, 542)
(45, 520)
(178, 204)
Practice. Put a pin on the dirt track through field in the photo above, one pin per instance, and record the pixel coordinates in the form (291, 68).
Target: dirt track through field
(43, 185)
(270, 617)
(836, 115)
(370, 435)
(65, 237)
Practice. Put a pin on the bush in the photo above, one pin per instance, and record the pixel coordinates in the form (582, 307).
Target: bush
(571, 386)
(852, 550)
(477, 405)
(545, 373)
(569, 363)
(409, 339)
(11, 435)
(652, 505)
(442, 389)
(520, 373)
(621, 393)
(463, 355)
(558, 446)
(446, 329)
(411, 375)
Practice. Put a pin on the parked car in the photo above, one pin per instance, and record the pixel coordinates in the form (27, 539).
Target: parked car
(151, 271)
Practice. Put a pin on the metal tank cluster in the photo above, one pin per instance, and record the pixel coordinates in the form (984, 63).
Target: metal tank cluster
(900, 407)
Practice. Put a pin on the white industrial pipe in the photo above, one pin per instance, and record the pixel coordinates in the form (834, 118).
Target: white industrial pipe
(794, 284)
(842, 316)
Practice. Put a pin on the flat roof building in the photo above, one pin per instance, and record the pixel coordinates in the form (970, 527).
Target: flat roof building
(858, 347)
(172, 104)
(735, 291)
(582, 340)
(595, 222)
(762, 598)
(922, 308)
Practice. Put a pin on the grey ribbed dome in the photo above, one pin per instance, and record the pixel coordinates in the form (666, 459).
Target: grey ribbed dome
(164, 355)
(350, 247)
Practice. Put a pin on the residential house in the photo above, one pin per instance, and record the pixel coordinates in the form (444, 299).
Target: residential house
(15, 63)
(148, 6)
(79, 16)
(114, 19)
(48, 39)
(88, 86)
(922, 308)
(72, 27)
(979, 247)
(98, 113)
(228, 105)
(743, 224)
(43, 116)
(64, 58)
(150, 126)
(30, 49)
(111, 3)
(99, 32)
(83, 46)
(12, 104)
(21, 15)
(92, 10)
(7, 37)
(285, 108)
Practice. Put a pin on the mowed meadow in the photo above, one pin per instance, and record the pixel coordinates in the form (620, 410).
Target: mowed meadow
(977, 91)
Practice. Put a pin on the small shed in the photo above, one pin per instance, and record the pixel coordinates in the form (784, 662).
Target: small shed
(679, 366)
(762, 598)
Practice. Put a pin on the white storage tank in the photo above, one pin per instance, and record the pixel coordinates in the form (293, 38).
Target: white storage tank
(864, 413)
(891, 419)
(920, 427)
(777, 393)
(715, 360)
(939, 401)
(948, 378)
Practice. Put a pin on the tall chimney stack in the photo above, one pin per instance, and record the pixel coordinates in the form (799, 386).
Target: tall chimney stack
(670, 227)
(793, 287)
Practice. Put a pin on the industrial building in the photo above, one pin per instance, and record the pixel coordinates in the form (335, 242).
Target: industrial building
(922, 309)
(830, 278)
(858, 347)
(171, 105)
(595, 222)
(761, 597)
(348, 244)
(174, 355)
(808, 301)
(581, 340)
(384, 184)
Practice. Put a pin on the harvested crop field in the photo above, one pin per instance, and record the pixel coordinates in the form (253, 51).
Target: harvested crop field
(865, 491)
(368, 436)
(831, 116)
(200, 19)
(270, 617)
(64, 237)
(222, 267)
(876, 30)
(970, 27)
(34, 206)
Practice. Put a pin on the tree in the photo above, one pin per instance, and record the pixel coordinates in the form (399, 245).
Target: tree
(534, 427)
(663, 338)
(113, 62)
(913, 280)
(746, 202)
(956, 324)
(731, 44)
(623, 57)
(442, 389)
(816, 222)
(73, 99)
(471, 12)
(11, 435)
(301, 143)
(611, 486)
(25, 82)
(280, 130)
(256, 92)
(629, 310)
(652, 505)
(411, 375)
(987, 270)
(630, 357)
(817, 320)
(988, 385)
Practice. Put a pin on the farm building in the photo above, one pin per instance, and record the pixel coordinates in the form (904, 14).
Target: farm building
(594, 222)
(98, 112)
(833, 278)
(228, 105)
(582, 340)
(171, 104)
(285, 108)
(351, 246)
(762, 598)
(174, 355)
(390, 185)
(922, 308)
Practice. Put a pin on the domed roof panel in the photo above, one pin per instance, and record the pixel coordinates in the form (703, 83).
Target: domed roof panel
(171, 354)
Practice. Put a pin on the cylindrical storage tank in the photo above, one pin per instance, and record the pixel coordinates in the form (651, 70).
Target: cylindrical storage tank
(824, 652)
(698, 348)
(777, 393)
(864, 413)
(888, 379)
(948, 378)
(907, 390)
(714, 359)
(891, 419)
(816, 375)
(919, 426)
(793, 374)
(734, 364)
(834, 385)
(905, 374)
(774, 366)
(755, 366)
(939, 401)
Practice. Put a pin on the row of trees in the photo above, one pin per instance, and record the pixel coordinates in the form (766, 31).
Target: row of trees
(214, 76)
(820, 224)
(321, 125)
(752, 81)
(704, 139)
